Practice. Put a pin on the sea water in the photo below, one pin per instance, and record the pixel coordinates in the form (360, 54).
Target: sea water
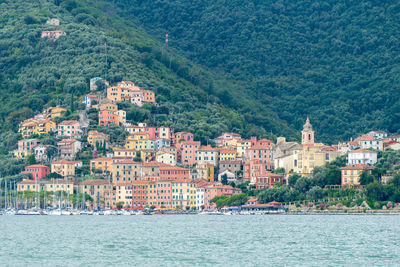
(186, 240)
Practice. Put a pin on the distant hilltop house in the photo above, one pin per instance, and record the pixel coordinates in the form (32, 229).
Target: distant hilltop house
(54, 35)
(53, 21)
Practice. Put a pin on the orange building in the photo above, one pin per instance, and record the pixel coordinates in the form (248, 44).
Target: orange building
(108, 117)
(103, 164)
(173, 173)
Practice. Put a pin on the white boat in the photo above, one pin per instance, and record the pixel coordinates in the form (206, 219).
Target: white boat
(55, 213)
(126, 213)
(66, 212)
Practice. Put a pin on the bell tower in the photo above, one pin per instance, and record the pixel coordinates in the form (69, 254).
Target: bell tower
(307, 135)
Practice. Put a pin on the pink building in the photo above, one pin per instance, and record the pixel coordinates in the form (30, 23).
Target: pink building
(69, 128)
(214, 190)
(169, 173)
(139, 193)
(25, 147)
(260, 153)
(187, 152)
(38, 171)
(253, 169)
(268, 180)
(54, 35)
(160, 194)
(160, 132)
(186, 136)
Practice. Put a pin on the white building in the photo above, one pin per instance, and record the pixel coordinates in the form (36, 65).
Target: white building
(207, 154)
(40, 152)
(200, 191)
(166, 158)
(370, 142)
(362, 156)
(53, 21)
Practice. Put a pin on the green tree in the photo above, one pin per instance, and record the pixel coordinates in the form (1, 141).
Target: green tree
(224, 179)
(366, 177)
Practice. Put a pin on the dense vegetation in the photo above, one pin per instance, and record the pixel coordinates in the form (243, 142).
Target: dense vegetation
(36, 73)
(335, 61)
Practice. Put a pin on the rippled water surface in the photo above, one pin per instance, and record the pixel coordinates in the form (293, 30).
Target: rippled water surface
(281, 240)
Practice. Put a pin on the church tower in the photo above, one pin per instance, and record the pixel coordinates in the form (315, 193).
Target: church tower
(307, 135)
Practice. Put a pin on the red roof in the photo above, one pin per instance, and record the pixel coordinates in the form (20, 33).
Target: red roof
(356, 167)
(36, 166)
(365, 138)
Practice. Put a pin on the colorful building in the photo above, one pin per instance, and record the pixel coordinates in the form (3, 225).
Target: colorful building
(68, 148)
(108, 117)
(160, 194)
(53, 35)
(25, 147)
(268, 180)
(169, 173)
(183, 194)
(69, 128)
(187, 152)
(38, 171)
(214, 190)
(102, 164)
(65, 168)
(207, 154)
(140, 193)
(95, 137)
(351, 173)
(226, 154)
(125, 170)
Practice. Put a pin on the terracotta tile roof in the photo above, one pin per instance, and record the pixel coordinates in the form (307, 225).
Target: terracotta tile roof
(365, 138)
(169, 167)
(36, 166)
(356, 167)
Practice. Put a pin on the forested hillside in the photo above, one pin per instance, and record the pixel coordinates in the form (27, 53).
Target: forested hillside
(36, 73)
(336, 61)
(253, 67)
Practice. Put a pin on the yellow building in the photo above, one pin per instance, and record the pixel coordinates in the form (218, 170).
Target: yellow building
(125, 170)
(147, 155)
(136, 144)
(123, 191)
(351, 174)
(52, 185)
(242, 147)
(36, 126)
(138, 136)
(55, 185)
(121, 116)
(65, 168)
(97, 189)
(55, 112)
(97, 137)
(226, 154)
(183, 194)
(124, 153)
(108, 106)
(311, 155)
(103, 164)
